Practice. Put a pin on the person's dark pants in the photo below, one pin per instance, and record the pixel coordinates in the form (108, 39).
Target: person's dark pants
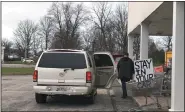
(123, 81)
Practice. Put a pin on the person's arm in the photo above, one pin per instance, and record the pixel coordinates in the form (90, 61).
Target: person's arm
(132, 68)
(118, 67)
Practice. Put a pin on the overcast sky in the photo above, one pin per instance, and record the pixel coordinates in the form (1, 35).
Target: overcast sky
(13, 12)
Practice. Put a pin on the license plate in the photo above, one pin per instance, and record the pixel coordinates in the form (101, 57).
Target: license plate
(63, 88)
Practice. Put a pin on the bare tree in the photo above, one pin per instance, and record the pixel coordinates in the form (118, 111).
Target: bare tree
(56, 12)
(20, 48)
(121, 16)
(87, 44)
(37, 43)
(24, 35)
(46, 29)
(111, 36)
(7, 44)
(152, 47)
(167, 42)
(68, 18)
(111, 26)
(89, 38)
(102, 11)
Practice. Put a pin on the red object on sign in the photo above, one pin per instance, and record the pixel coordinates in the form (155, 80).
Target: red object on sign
(158, 69)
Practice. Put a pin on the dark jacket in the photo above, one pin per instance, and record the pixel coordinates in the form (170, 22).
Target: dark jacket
(125, 68)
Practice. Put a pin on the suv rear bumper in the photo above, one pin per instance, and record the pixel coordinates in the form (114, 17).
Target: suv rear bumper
(72, 90)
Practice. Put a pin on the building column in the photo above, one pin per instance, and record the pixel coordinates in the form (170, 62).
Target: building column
(177, 92)
(144, 41)
(130, 46)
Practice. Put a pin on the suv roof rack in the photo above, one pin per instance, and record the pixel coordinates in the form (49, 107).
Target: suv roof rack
(63, 50)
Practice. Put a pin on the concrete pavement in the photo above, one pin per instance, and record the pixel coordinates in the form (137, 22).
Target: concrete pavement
(122, 104)
(17, 66)
(18, 95)
(163, 102)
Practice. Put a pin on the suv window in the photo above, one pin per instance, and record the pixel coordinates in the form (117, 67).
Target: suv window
(63, 60)
(103, 60)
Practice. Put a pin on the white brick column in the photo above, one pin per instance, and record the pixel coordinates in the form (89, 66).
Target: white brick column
(144, 41)
(177, 93)
(130, 46)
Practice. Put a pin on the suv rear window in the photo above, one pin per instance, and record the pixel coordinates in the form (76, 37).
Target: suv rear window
(63, 60)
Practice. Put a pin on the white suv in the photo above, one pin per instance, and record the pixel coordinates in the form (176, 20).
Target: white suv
(72, 72)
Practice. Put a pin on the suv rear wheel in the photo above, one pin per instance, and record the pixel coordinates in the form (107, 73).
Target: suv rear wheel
(40, 98)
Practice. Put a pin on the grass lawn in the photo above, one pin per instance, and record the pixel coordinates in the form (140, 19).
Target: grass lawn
(17, 71)
(18, 62)
(13, 62)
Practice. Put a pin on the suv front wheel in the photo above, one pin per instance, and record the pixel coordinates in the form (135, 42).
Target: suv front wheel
(40, 98)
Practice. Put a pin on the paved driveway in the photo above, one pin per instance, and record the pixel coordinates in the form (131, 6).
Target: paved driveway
(18, 95)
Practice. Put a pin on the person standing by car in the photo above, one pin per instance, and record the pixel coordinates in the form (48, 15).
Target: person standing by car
(125, 71)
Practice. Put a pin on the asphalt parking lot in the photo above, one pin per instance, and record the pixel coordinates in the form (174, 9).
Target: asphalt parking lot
(18, 95)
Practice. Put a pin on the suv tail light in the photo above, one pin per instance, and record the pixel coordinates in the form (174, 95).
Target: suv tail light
(35, 76)
(88, 77)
